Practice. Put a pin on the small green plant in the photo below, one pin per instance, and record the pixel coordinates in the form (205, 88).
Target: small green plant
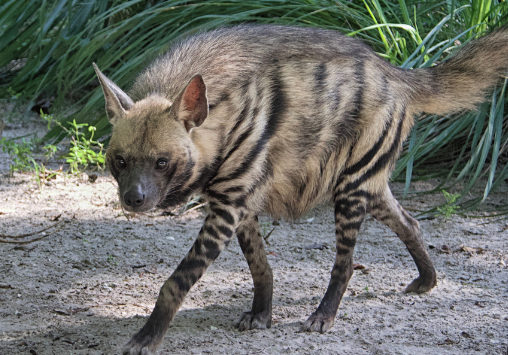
(23, 158)
(13, 94)
(82, 152)
(50, 151)
(266, 232)
(449, 208)
(21, 154)
(112, 260)
(265, 228)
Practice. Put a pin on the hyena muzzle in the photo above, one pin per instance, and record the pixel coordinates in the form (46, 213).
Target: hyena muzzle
(279, 119)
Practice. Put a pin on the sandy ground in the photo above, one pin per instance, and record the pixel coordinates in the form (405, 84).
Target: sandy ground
(92, 280)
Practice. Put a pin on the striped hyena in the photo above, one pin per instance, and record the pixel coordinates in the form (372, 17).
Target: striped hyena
(278, 119)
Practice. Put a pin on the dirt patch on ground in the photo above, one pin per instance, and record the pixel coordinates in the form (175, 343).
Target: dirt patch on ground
(92, 280)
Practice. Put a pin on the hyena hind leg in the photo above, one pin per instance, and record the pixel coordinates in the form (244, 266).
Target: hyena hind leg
(350, 212)
(251, 242)
(388, 211)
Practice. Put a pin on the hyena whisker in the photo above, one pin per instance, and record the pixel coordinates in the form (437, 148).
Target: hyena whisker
(279, 119)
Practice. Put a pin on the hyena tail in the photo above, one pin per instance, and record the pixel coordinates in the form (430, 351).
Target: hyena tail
(462, 82)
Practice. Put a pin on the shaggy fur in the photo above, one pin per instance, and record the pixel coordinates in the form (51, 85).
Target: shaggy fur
(279, 119)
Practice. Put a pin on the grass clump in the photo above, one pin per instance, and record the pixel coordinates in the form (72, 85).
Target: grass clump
(48, 47)
(449, 208)
(21, 154)
(84, 151)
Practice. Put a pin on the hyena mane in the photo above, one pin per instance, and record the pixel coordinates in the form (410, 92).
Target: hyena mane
(279, 119)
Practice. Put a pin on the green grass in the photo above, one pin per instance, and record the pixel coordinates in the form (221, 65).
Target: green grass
(449, 208)
(57, 40)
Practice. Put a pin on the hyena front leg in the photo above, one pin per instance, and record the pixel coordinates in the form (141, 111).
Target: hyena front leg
(251, 242)
(350, 212)
(214, 235)
(388, 211)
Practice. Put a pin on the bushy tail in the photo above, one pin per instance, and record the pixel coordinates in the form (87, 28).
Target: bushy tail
(463, 81)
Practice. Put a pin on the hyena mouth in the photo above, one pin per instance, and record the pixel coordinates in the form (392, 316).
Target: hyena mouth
(140, 209)
(138, 201)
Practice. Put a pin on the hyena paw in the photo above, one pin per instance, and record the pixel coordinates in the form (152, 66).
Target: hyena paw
(140, 344)
(318, 323)
(135, 349)
(249, 320)
(422, 284)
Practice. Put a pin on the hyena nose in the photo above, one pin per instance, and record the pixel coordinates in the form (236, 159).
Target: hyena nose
(134, 197)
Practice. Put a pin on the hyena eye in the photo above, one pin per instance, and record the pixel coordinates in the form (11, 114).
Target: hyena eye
(120, 163)
(161, 164)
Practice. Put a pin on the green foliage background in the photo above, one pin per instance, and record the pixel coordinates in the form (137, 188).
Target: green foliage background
(47, 47)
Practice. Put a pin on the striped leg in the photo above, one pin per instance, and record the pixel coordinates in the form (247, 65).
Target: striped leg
(213, 237)
(350, 212)
(251, 242)
(389, 212)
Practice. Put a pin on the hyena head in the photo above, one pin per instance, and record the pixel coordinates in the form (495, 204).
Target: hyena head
(150, 153)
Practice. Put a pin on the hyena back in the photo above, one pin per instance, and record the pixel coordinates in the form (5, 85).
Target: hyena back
(278, 119)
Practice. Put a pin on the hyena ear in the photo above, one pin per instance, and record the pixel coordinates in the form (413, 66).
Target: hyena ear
(117, 101)
(192, 104)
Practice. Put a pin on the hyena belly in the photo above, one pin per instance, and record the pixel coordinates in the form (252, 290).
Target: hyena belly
(326, 133)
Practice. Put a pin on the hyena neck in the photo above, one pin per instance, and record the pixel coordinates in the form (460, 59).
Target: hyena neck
(207, 152)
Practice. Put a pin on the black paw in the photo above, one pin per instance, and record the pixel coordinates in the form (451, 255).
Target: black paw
(318, 323)
(249, 320)
(142, 343)
(422, 284)
(136, 349)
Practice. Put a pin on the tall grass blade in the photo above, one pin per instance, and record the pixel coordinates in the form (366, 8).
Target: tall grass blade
(47, 47)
